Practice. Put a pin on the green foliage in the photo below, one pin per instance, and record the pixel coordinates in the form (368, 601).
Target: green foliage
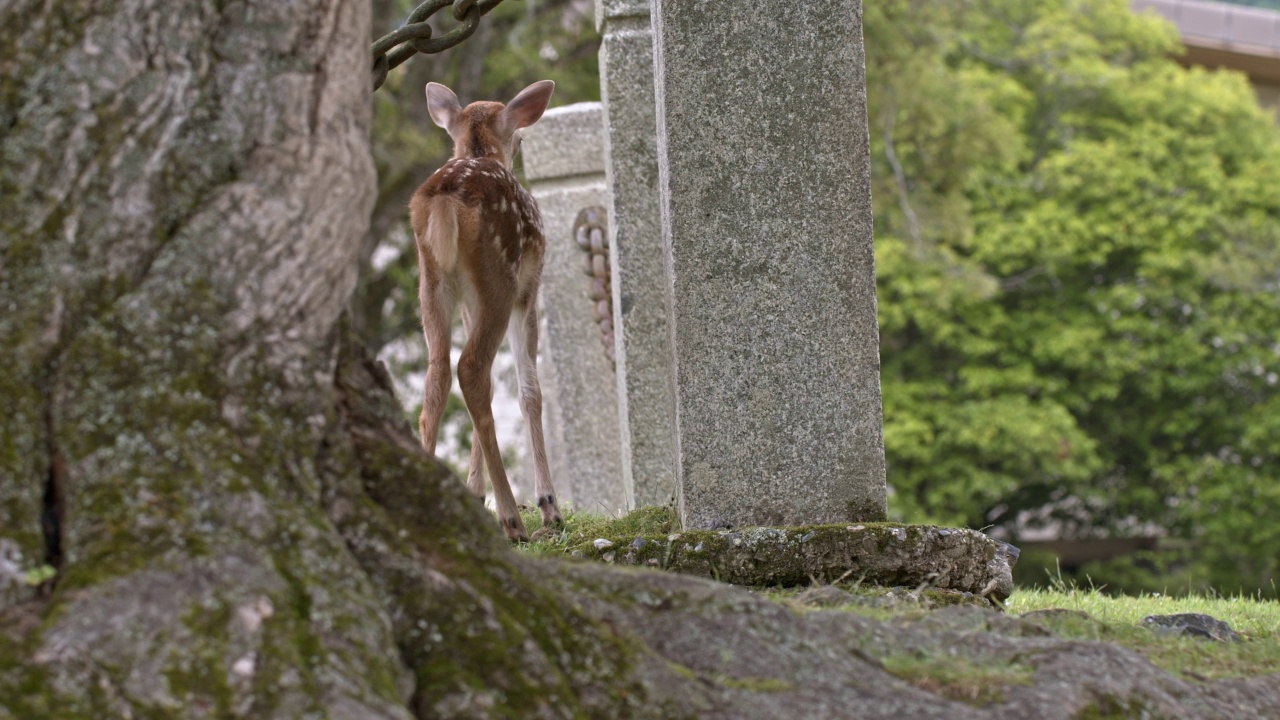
(1077, 258)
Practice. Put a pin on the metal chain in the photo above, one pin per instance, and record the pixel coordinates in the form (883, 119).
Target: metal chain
(414, 36)
(591, 231)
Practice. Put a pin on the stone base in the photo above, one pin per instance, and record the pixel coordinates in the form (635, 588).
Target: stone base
(885, 554)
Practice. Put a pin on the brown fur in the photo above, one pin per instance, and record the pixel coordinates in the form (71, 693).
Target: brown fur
(480, 242)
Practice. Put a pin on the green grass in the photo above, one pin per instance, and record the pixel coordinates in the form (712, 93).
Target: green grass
(1116, 620)
(1256, 619)
(581, 528)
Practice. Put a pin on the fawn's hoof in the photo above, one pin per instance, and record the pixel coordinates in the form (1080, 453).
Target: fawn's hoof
(550, 513)
(514, 527)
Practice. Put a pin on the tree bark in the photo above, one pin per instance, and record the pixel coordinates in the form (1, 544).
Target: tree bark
(182, 184)
(241, 522)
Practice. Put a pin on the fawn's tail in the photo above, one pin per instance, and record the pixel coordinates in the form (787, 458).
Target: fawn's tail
(441, 237)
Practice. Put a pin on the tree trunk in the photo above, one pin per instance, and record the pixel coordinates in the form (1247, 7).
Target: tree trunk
(241, 522)
(182, 186)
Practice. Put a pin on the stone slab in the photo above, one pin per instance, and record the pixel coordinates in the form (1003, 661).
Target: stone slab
(765, 188)
(580, 415)
(881, 554)
(565, 143)
(613, 9)
(646, 396)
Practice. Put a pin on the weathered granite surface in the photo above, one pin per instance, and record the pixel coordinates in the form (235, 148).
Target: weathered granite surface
(1196, 625)
(565, 143)
(646, 402)
(766, 210)
(564, 164)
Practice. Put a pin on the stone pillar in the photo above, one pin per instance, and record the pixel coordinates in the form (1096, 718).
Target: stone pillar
(765, 190)
(564, 164)
(646, 402)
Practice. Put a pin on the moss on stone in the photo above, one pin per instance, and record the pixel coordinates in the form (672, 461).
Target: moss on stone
(958, 678)
(26, 689)
(1120, 708)
(200, 679)
(885, 554)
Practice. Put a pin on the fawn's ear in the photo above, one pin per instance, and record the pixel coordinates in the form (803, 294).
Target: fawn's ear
(442, 104)
(525, 108)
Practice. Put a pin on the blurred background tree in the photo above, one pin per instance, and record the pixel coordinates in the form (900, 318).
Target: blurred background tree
(1077, 255)
(1078, 248)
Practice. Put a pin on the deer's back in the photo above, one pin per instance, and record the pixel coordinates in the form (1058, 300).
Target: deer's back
(500, 233)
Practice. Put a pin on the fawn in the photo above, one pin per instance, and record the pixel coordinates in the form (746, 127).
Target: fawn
(479, 238)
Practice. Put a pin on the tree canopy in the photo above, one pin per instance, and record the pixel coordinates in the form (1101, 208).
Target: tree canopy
(1077, 246)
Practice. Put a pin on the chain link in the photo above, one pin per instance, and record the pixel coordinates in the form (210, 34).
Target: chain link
(414, 36)
(591, 231)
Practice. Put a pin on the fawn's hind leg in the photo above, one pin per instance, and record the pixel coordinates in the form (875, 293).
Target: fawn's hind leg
(475, 471)
(437, 302)
(475, 375)
(522, 334)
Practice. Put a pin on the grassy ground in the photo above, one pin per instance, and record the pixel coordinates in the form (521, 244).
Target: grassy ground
(1116, 620)
(1105, 618)
(581, 528)
(1253, 618)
